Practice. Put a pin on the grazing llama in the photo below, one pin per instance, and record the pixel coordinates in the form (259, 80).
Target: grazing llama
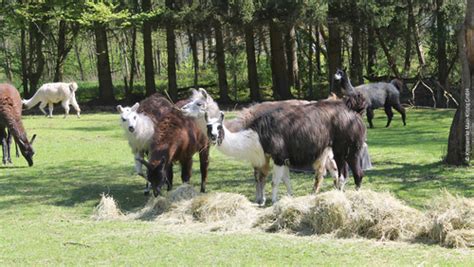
(176, 138)
(51, 93)
(377, 95)
(10, 118)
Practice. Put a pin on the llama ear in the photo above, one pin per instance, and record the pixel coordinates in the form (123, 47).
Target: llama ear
(221, 119)
(135, 107)
(203, 92)
(119, 108)
(32, 139)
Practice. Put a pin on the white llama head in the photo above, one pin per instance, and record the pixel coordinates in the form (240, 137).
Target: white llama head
(128, 116)
(215, 129)
(201, 103)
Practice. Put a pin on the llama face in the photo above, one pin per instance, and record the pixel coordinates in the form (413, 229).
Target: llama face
(157, 175)
(339, 74)
(215, 129)
(26, 149)
(128, 116)
(198, 105)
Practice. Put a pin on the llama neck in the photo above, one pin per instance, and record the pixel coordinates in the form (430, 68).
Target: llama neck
(18, 132)
(243, 145)
(202, 125)
(144, 129)
(346, 84)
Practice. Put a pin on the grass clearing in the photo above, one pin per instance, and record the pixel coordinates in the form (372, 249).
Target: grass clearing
(45, 211)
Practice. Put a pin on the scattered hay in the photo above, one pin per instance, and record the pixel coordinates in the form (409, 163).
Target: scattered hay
(107, 209)
(452, 221)
(220, 206)
(154, 207)
(449, 220)
(330, 211)
(183, 192)
(381, 216)
(286, 215)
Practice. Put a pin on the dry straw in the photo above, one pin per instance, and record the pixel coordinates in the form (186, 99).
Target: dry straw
(449, 220)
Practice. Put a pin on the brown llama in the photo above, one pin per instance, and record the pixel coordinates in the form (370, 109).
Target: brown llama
(176, 138)
(10, 118)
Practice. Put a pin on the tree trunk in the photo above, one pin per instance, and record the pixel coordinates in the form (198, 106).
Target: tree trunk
(371, 51)
(203, 43)
(310, 62)
(7, 65)
(390, 59)
(79, 61)
(356, 61)
(24, 64)
(171, 52)
(406, 66)
(58, 68)
(292, 56)
(132, 62)
(334, 44)
(37, 61)
(281, 86)
(106, 88)
(460, 135)
(221, 67)
(194, 50)
(148, 51)
(251, 63)
(416, 34)
(317, 49)
(441, 51)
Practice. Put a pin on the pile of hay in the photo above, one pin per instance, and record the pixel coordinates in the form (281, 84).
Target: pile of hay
(452, 221)
(381, 216)
(107, 209)
(286, 215)
(353, 213)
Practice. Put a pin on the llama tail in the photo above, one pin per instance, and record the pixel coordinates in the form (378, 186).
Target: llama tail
(73, 87)
(398, 84)
(29, 103)
(365, 162)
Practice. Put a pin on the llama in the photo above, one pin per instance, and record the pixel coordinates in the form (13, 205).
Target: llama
(10, 117)
(377, 95)
(50, 93)
(6, 140)
(240, 142)
(246, 144)
(176, 138)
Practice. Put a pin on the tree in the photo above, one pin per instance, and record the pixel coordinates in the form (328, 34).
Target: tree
(334, 42)
(171, 51)
(148, 51)
(460, 136)
(106, 87)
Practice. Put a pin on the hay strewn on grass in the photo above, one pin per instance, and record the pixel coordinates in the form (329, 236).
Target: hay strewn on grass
(452, 221)
(365, 213)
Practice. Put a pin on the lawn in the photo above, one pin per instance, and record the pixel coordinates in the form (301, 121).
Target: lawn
(45, 210)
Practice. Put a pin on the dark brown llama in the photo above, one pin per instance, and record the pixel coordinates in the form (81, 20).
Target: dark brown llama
(176, 138)
(10, 118)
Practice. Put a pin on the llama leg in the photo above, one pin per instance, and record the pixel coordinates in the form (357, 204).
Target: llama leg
(370, 116)
(3, 139)
(354, 164)
(278, 173)
(286, 180)
(203, 165)
(169, 175)
(138, 165)
(401, 110)
(42, 106)
(50, 109)
(9, 145)
(260, 175)
(186, 169)
(389, 112)
(75, 106)
(65, 105)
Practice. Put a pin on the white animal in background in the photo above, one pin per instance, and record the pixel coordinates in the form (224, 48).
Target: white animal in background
(50, 93)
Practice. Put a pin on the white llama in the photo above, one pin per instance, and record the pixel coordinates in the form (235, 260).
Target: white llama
(138, 129)
(50, 93)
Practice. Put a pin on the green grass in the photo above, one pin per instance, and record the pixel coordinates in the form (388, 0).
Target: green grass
(45, 210)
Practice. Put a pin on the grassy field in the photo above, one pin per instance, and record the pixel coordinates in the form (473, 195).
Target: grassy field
(45, 210)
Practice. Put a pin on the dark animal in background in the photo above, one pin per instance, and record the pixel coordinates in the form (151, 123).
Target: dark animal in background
(377, 95)
(10, 118)
(176, 138)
